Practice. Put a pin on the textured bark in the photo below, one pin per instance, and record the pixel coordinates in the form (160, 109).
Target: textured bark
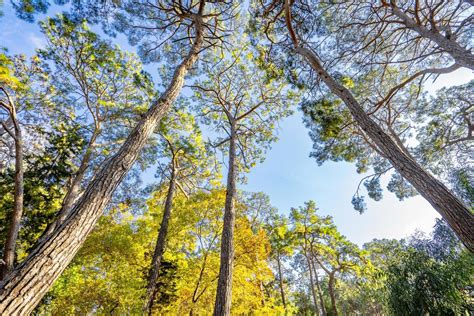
(224, 283)
(24, 287)
(280, 279)
(12, 235)
(159, 247)
(452, 209)
(461, 55)
(332, 294)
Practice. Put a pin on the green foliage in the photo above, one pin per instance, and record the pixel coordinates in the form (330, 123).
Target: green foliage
(46, 175)
(419, 284)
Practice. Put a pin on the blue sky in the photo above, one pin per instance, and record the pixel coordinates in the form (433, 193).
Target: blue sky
(288, 175)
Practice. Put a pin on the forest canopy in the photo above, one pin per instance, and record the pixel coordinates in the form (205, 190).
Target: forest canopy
(128, 135)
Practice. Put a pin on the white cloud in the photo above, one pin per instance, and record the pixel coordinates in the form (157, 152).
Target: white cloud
(37, 41)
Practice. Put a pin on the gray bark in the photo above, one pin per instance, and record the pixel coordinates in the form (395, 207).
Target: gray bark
(452, 209)
(24, 287)
(159, 247)
(224, 283)
(13, 229)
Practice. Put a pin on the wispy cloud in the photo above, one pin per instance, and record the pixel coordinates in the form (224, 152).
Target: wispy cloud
(37, 41)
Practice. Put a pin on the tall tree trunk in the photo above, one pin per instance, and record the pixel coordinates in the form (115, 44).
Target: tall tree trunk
(12, 235)
(320, 292)
(452, 209)
(311, 280)
(224, 283)
(461, 55)
(280, 279)
(159, 247)
(332, 294)
(24, 287)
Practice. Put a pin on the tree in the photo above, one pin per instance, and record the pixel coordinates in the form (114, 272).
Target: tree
(431, 275)
(31, 275)
(323, 245)
(305, 225)
(8, 104)
(99, 87)
(47, 172)
(187, 167)
(242, 104)
(389, 146)
(282, 245)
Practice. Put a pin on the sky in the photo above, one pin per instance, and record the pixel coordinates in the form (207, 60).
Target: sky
(288, 175)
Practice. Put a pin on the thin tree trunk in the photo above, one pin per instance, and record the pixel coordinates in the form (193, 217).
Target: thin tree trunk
(159, 247)
(280, 279)
(320, 293)
(311, 280)
(224, 283)
(332, 294)
(452, 209)
(12, 235)
(25, 286)
(75, 187)
(461, 55)
(196, 296)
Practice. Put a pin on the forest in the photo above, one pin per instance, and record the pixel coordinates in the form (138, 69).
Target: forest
(129, 130)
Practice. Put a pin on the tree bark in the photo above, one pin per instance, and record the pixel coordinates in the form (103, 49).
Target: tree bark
(461, 55)
(24, 287)
(311, 280)
(159, 247)
(320, 293)
(224, 283)
(332, 294)
(13, 229)
(452, 209)
(280, 279)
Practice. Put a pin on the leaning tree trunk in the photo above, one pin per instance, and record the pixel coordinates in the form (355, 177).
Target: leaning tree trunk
(12, 235)
(224, 283)
(280, 279)
(159, 247)
(453, 210)
(24, 287)
(461, 55)
(332, 294)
